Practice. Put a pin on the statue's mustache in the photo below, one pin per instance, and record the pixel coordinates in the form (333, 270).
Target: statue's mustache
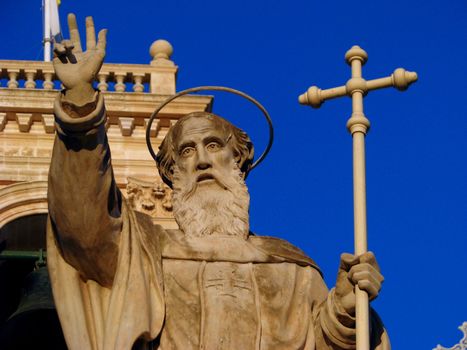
(194, 183)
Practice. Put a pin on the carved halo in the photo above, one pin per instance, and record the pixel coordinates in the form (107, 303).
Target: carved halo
(214, 88)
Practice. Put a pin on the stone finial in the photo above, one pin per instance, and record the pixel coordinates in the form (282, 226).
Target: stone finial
(402, 78)
(356, 52)
(161, 50)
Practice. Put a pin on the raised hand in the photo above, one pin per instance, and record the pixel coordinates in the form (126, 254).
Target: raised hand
(77, 69)
(360, 270)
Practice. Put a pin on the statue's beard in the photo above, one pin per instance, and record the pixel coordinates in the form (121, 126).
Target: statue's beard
(219, 207)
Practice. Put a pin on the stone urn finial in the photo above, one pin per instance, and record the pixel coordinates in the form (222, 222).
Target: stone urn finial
(161, 51)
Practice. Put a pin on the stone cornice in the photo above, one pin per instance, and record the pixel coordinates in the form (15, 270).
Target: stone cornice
(22, 199)
(117, 103)
(24, 107)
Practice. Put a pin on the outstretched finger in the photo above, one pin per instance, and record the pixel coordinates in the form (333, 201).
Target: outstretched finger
(102, 40)
(90, 34)
(74, 32)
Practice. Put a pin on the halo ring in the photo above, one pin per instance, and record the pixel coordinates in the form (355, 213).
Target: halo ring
(214, 88)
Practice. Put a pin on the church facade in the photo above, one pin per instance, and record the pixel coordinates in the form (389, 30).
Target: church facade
(27, 93)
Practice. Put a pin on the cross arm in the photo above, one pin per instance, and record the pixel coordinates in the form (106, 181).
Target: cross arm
(358, 125)
(400, 79)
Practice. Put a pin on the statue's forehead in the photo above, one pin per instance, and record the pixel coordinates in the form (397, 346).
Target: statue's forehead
(201, 126)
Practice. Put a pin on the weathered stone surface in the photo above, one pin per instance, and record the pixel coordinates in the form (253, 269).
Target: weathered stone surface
(118, 278)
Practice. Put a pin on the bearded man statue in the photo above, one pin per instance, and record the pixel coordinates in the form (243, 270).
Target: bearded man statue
(121, 282)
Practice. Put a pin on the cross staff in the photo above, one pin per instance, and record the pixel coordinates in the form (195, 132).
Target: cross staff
(358, 125)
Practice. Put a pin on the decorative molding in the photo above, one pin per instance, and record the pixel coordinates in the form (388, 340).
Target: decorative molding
(24, 121)
(155, 127)
(22, 199)
(462, 344)
(30, 198)
(152, 198)
(139, 74)
(27, 130)
(49, 123)
(2, 121)
(24, 107)
(127, 124)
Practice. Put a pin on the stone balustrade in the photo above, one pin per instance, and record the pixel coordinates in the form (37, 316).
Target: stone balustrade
(157, 77)
(131, 92)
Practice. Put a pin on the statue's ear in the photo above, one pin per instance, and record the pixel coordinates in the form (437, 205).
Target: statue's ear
(237, 158)
(167, 175)
(164, 160)
(245, 159)
(170, 176)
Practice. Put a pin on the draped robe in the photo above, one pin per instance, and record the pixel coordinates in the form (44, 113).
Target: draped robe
(168, 291)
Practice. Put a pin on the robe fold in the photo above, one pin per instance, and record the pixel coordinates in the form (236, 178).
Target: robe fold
(169, 291)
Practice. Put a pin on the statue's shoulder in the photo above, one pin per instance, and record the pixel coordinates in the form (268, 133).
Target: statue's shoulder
(149, 228)
(147, 225)
(281, 248)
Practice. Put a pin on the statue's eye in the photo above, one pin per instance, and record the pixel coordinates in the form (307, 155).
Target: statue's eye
(187, 152)
(213, 146)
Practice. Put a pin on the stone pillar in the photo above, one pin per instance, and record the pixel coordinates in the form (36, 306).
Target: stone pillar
(162, 78)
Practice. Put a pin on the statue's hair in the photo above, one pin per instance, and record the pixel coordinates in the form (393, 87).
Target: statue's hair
(241, 144)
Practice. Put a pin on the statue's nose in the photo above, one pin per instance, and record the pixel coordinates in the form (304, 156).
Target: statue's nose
(203, 161)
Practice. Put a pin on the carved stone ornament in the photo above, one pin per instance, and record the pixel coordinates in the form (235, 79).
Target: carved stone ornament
(462, 344)
(152, 198)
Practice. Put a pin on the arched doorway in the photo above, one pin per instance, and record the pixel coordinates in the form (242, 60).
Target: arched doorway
(28, 318)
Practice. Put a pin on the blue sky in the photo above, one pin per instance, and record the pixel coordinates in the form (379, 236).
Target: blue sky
(416, 149)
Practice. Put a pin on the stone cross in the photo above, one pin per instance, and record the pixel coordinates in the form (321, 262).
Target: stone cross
(228, 281)
(227, 285)
(358, 125)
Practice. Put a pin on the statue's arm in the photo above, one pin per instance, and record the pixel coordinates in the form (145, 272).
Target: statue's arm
(334, 327)
(84, 202)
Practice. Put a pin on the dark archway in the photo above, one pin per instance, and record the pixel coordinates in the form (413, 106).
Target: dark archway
(28, 318)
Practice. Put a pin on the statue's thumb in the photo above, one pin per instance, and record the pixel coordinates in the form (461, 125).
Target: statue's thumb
(348, 260)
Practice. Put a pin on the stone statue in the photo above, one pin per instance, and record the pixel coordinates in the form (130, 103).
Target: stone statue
(121, 282)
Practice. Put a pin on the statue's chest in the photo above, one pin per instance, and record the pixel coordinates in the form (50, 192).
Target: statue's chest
(217, 301)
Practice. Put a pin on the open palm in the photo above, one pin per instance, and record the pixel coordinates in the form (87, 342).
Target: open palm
(75, 68)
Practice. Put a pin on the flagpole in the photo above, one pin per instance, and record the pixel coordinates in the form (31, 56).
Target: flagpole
(47, 38)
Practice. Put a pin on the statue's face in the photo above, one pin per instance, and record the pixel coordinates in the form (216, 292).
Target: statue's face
(209, 194)
(203, 150)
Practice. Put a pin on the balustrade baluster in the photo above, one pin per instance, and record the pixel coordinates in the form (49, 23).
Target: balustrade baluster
(30, 82)
(120, 85)
(102, 77)
(158, 77)
(13, 75)
(48, 83)
(138, 82)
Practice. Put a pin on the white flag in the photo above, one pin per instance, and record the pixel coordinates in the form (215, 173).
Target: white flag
(55, 21)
